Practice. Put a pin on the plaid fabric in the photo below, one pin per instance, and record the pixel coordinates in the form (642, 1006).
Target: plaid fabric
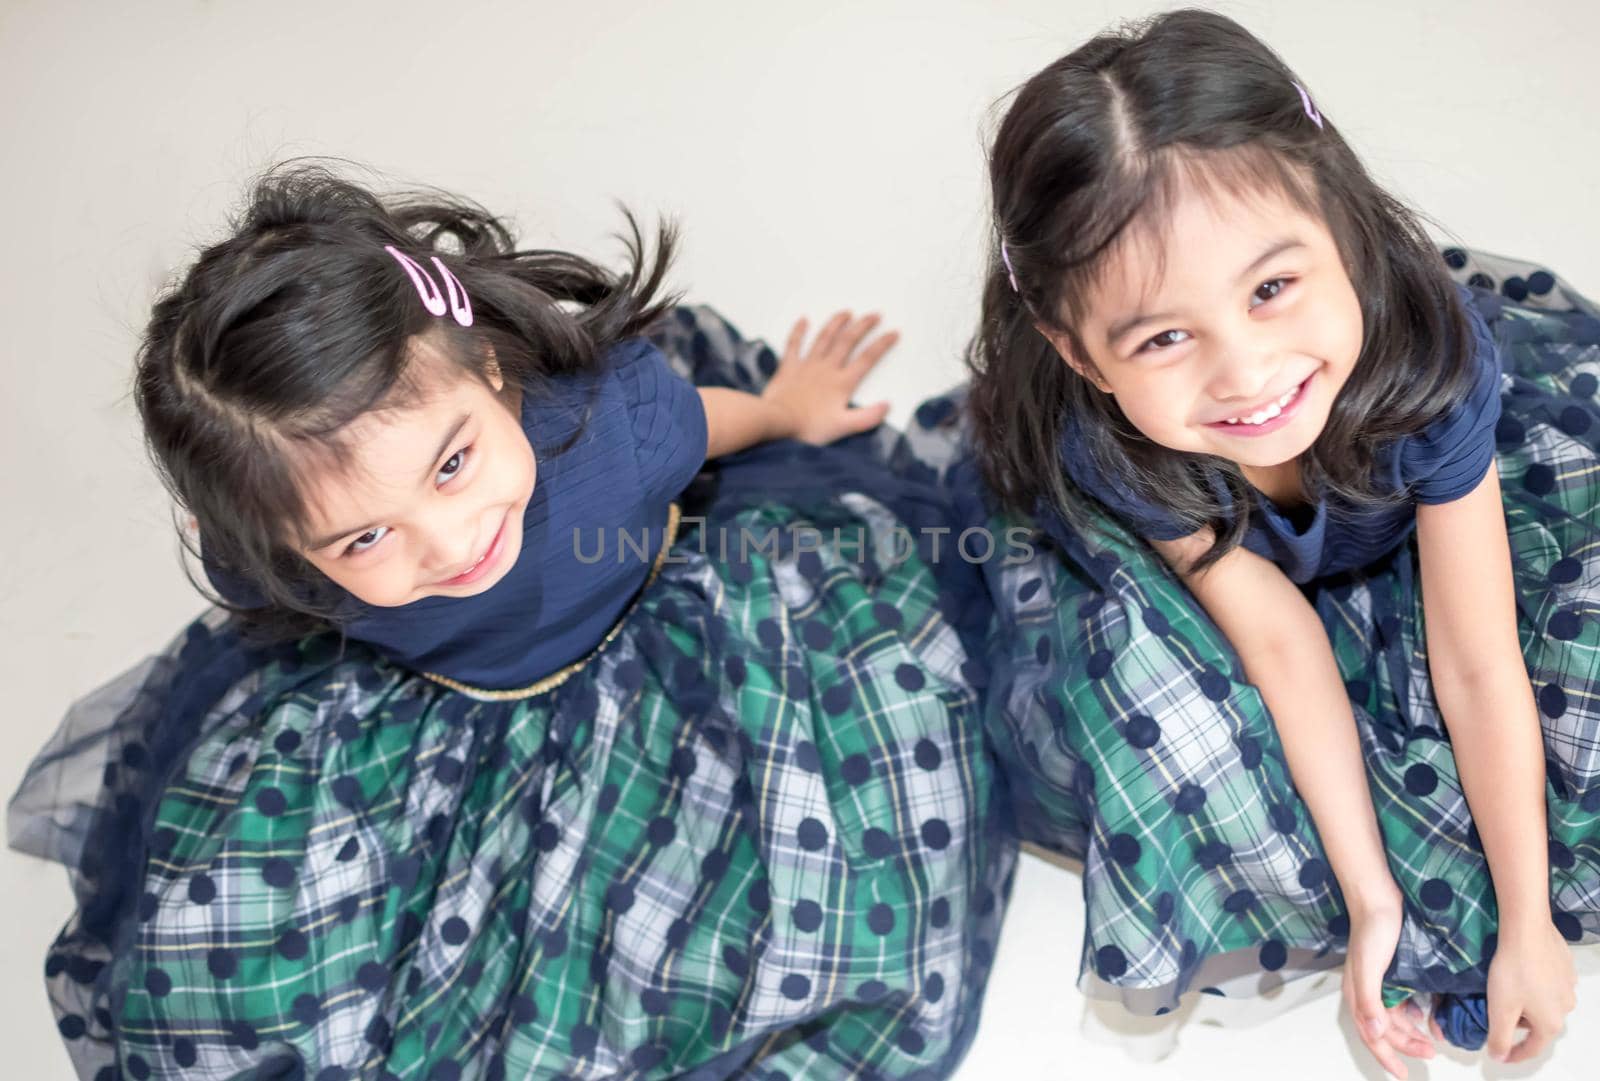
(1132, 741)
(756, 835)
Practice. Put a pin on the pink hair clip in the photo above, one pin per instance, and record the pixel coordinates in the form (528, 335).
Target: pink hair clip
(433, 299)
(1311, 110)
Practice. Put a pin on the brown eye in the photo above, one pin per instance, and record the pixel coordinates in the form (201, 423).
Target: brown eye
(1273, 288)
(366, 541)
(453, 465)
(1157, 342)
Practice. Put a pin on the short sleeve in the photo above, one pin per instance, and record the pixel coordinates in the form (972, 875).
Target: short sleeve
(668, 420)
(1145, 517)
(1449, 458)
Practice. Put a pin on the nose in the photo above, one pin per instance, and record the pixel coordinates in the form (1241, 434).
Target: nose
(450, 545)
(1243, 376)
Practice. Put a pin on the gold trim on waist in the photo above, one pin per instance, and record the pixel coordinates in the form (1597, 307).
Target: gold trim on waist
(556, 679)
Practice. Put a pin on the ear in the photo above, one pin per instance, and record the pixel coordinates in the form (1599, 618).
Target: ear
(1082, 365)
(497, 378)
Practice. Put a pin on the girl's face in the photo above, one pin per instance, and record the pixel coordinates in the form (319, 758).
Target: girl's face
(1240, 347)
(429, 499)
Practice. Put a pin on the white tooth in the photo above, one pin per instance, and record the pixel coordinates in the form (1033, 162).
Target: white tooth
(1273, 410)
(1233, 420)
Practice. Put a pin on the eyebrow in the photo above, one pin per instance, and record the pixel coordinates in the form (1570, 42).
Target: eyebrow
(444, 445)
(1122, 326)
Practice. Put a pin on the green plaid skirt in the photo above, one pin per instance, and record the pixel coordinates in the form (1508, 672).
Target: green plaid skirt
(755, 835)
(1132, 741)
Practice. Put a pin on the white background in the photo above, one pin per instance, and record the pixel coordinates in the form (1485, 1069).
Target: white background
(818, 155)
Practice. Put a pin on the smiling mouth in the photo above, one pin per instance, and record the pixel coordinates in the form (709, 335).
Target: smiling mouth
(1270, 416)
(485, 562)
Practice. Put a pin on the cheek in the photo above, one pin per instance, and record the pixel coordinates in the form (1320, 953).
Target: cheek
(1159, 405)
(1338, 329)
(1354, 332)
(386, 584)
(507, 461)
(530, 469)
(520, 470)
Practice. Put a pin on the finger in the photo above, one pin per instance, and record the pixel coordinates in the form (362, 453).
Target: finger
(1406, 1029)
(1416, 1014)
(1371, 1029)
(1527, 1049)
(868, 417)
(1367, 1027)
(1387, 1056)
(1438, 1033)
(1366, 1003)
(1409, 1041)
(824, 343)
(797, 337)
(874, 352)
(1411, 1012)
(1503, 1017)
(852, 335)
(1532, 1045)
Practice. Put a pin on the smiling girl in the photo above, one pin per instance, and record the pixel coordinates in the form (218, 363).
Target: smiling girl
(441, 795)
(1318, 513)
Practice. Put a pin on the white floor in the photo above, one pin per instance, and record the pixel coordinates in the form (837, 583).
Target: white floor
(818, 155)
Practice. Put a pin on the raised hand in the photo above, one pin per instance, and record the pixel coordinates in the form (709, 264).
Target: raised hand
(812, 387)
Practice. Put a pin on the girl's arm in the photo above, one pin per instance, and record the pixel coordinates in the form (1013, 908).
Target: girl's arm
(1287, 656)
(808, 397)
(736, 419)
(1481, 683)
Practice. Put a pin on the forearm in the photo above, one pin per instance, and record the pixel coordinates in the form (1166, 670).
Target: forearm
(1494, 731)
(736, 420)
(1300, 683)
(1481, 683)
(1286, 654)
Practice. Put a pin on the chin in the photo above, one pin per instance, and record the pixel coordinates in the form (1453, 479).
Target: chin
(1268, 459)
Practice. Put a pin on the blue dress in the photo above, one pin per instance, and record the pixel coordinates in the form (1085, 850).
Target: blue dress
(643, 439)
(674, 814)
(1131, 738)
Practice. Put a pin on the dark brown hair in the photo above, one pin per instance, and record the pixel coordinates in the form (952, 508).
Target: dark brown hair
(299, 321)
(1101, 139)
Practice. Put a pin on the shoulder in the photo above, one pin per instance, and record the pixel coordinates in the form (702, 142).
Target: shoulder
(1485, 362)
(632, 379)
(636, 366)
(658, 397)
(1480, 307)
(1445, 460)
(665, 414)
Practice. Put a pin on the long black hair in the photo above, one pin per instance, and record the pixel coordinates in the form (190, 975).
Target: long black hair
(283, 333)
(1101, 139)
